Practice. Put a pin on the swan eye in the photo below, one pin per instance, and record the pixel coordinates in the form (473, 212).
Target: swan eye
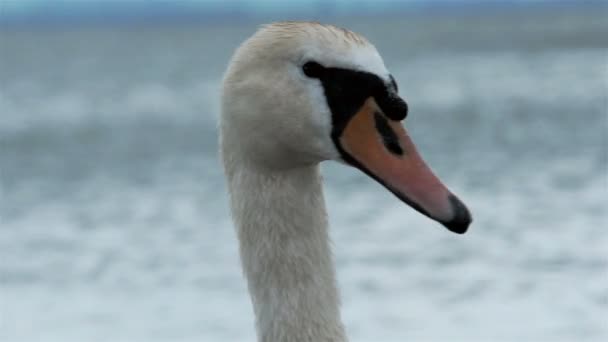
(312, 69)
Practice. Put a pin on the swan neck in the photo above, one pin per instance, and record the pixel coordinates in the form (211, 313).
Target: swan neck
(282, 228)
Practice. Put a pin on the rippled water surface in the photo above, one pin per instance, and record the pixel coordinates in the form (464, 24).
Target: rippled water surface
(114, 221)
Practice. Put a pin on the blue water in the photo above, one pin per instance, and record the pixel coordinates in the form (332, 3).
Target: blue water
(114, 221)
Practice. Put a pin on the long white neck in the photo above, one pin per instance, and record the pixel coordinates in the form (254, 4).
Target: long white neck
(282, 229)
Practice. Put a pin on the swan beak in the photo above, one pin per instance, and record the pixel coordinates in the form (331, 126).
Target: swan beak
(381, 148)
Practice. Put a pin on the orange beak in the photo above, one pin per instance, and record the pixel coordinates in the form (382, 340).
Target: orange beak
(381, 148)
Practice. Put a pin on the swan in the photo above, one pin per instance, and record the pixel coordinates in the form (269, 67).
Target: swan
(295, 94)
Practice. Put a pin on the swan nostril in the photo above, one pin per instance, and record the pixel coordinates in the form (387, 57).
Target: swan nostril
(389, 137)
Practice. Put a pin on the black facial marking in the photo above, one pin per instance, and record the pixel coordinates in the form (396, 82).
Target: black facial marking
(346, 90)
(389, 138)
(312, 69)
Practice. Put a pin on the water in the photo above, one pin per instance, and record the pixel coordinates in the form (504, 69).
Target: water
(114, 217)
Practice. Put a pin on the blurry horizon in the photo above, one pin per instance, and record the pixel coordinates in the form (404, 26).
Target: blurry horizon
(28, 13)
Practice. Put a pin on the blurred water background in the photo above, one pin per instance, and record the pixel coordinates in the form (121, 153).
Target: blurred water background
(114, 221)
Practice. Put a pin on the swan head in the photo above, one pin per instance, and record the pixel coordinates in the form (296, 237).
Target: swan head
(298, 93)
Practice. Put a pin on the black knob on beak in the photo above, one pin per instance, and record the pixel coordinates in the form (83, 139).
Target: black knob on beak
(393, 106)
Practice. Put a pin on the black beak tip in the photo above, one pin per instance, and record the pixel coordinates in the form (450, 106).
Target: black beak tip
(462, 218)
